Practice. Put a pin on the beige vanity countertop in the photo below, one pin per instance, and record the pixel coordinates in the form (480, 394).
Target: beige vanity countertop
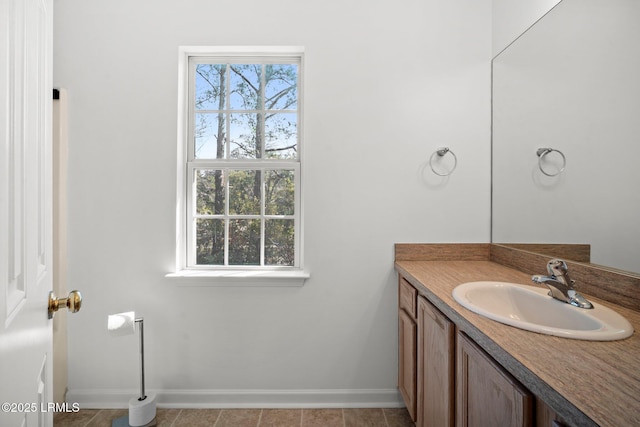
(585, 382)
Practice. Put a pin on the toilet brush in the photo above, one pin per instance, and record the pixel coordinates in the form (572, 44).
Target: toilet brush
(142, 409)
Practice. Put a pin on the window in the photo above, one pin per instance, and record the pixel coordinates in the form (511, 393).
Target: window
(240, 159)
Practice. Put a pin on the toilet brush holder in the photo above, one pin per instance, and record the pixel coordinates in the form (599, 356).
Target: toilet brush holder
(142, 409)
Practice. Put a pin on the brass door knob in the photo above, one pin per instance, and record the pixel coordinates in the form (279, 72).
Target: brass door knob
(72, 302)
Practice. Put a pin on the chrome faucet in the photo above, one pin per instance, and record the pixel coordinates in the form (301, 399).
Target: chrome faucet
(560, 284)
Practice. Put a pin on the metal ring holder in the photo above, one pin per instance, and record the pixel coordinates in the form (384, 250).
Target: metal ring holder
(441, 152)
(542, 152)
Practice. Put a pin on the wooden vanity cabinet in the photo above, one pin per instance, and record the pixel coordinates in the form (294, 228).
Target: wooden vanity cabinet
(426, 359)
(447, 380)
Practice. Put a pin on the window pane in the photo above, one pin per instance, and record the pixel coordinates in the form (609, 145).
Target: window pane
(245, 85)
(209, 241)
(210, 86)
(244, 192)
(279, 247)
(281, 89)
(281, 135)
(279, 192)
(210, 192)
(209, 136)
(244, 242)
(246, 137)
(243, 151)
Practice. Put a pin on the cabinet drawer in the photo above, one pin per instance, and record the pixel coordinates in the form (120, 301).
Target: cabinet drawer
(407, 298)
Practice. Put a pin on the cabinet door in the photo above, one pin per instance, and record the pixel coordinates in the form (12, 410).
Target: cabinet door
(407, 361)
(486, 394)
(545, 417)
(436, 358)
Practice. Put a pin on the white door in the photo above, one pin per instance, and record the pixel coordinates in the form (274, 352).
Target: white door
(25, 212)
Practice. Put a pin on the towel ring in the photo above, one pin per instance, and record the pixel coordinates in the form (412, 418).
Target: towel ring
(441, 152)
(542, 152)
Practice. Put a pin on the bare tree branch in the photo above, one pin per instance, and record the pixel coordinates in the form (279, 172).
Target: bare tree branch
(244, 78)
(282, 148)
(274, 99)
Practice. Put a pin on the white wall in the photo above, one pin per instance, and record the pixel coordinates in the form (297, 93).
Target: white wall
(386, 84)
(513, 17)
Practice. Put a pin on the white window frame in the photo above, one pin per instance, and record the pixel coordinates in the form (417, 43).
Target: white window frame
(186, 165)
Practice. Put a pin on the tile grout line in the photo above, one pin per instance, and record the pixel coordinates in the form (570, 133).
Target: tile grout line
(218, 418)
(384, 415)
(91, 419)
(176, 418)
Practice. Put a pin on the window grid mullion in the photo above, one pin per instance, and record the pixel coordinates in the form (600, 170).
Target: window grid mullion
(262, 112)
(245, 111)
(262, 216)
(226, 216)
(227, 115)
(191, 215)
(227, 143)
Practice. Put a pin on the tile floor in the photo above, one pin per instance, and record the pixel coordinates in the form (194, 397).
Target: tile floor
(366, 417)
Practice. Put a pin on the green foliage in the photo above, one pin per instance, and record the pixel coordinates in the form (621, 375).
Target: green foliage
(279, 242)
(276, 190)
(210, 238)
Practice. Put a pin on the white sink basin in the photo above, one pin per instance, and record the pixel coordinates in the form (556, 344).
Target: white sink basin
(530, 308)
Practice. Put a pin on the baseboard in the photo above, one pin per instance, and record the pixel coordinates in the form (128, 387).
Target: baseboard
(367, 398)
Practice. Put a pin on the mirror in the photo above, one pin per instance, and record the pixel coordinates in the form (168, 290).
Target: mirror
(571, 82)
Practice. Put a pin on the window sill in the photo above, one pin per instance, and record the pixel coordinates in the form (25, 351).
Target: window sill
(239, 277)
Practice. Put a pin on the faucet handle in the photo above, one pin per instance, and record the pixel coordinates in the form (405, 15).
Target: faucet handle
(557, 267)
(561, 285)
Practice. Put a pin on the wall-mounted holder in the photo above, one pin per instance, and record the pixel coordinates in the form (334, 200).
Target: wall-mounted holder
(441, 152)
(542, 153)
